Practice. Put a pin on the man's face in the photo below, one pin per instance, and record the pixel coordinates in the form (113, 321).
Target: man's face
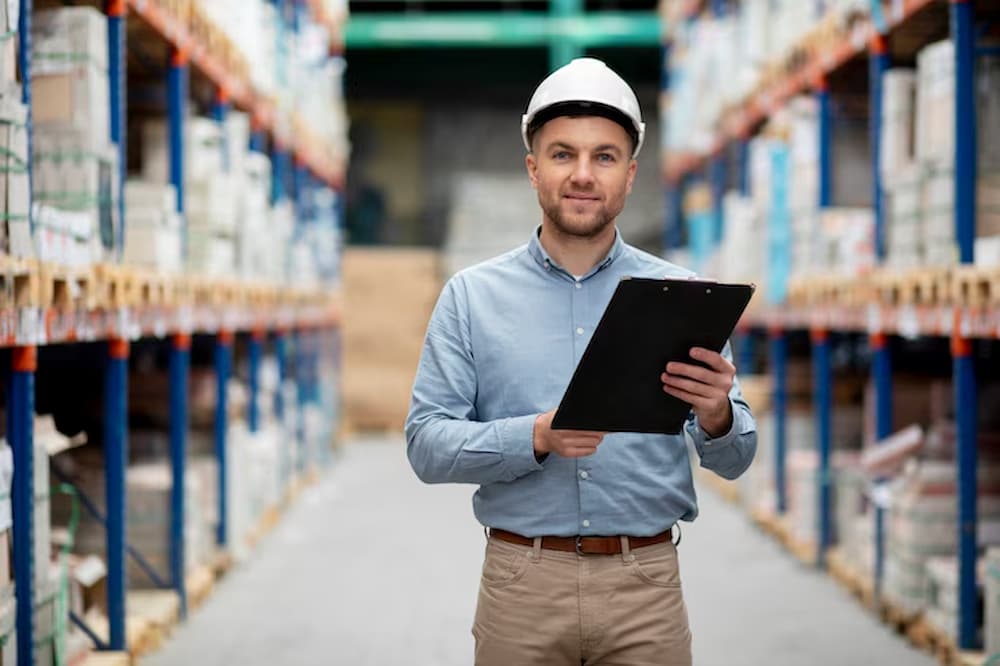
(583, 170)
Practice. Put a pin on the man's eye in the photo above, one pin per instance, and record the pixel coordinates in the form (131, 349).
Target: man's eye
(606, 157)
(561, 155)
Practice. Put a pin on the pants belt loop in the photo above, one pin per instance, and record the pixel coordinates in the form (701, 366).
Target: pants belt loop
(627, 555)
(536, 549)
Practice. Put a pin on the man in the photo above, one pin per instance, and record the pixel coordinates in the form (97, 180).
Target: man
(580, 566)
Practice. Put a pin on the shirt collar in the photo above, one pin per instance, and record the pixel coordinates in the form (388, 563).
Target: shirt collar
(543, 259)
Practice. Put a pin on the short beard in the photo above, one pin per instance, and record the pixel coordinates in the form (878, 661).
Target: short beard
(588, 230)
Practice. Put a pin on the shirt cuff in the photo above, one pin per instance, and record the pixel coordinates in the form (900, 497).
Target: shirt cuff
(699, 435)
(517, 446)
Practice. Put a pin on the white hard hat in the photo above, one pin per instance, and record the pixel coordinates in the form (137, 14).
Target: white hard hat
(585, 86)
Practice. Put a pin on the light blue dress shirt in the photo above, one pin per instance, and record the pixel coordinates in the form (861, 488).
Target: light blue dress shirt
(501, 346)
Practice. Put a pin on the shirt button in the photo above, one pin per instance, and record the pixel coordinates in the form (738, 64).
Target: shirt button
(579, 286)
(584, 475)
(579, 331)
(586, 523)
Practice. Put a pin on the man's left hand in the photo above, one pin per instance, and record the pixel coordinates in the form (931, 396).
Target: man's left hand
(706, 389)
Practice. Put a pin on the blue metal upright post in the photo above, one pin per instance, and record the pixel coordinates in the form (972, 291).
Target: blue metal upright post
(966, 173)
(299, 351)
(882, 379)
(220, 110)
(20, 432)
(744, 157)
(24, 64)
(718, 178)
(779, 362)
(823, 380)
(254, 353)
(823, 375)
(280, 353)
(825, 122)
(115, 461)
(279, 173)
(177, 86)
(258, 138)
(116, 10)
(878, 65)
(301, 193)
(747, 349)
(966, 412)
(180, 367)
(223, 364)
(966, 167)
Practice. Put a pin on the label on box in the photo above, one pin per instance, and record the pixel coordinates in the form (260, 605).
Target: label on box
(90, 571)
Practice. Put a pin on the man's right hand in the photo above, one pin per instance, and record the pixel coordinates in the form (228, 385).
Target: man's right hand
(566, 443)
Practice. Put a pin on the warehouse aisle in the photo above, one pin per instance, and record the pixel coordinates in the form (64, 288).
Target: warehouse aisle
(372, 568)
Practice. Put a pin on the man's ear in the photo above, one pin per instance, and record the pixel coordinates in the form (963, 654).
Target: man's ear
(532, 165)
(632, 167)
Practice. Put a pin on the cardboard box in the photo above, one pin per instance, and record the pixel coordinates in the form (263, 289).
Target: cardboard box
(83, 29)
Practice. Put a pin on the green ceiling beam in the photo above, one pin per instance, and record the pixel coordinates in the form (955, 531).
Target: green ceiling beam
(502, 29)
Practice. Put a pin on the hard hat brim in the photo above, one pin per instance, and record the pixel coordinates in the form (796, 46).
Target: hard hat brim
(575, 109)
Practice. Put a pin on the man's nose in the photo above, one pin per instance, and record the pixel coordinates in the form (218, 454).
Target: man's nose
(583, 172)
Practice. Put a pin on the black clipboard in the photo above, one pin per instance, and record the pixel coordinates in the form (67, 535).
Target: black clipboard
(616, 386)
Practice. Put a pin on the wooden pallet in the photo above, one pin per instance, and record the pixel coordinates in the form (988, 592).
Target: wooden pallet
(106, 659)
(68, 289)
(848, 577)
(974, 287)
(118, 286)
(221, 564)
(22, 284)
(268, 520)
(158, 612)
(153, 290)
(804, 551)
(200, 584)
(897, 617)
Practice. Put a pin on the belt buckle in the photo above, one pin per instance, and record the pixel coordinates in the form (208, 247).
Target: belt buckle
(579, 544)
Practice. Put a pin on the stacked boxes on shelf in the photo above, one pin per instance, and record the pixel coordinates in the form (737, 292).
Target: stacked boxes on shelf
(232, 229)
(292, 67)
(919, 177)
(152, 226)
(922, 524)
(75, 165)
(15, 232)
(148, 487)
(942, 594)
(722, 60)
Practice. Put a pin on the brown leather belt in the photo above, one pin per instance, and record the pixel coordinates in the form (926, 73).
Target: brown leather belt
(583, 545)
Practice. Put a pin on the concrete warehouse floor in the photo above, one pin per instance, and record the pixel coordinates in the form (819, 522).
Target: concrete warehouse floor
(372, 568)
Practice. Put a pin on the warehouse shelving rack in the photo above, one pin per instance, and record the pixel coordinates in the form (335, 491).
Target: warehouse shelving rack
(120, 305)
(966, 307)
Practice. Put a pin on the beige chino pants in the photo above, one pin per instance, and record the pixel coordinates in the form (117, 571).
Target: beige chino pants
(549, 608)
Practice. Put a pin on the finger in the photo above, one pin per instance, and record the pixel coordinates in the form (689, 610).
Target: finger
(696, 401)
(712, 359)
(693, 387)
(703, 375)
(584, 433)
(581, 441)
(579, 452)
